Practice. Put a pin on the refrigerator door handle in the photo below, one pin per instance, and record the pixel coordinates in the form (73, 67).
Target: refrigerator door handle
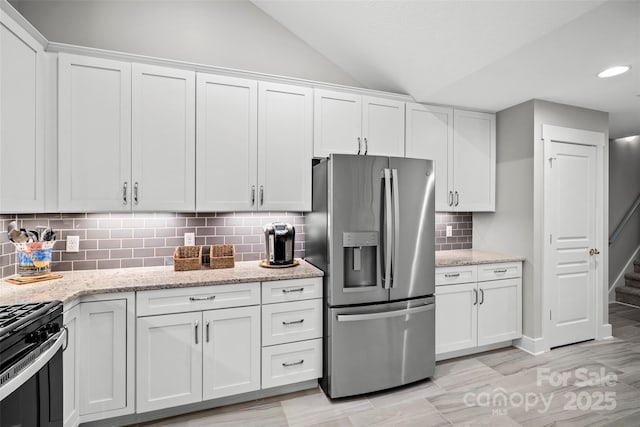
(396, 227)
(384, 314)
(386, 280)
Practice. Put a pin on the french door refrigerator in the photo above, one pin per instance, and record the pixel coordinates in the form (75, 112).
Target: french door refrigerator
(372, 233)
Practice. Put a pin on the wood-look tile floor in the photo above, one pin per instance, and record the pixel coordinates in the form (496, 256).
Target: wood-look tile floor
(506, 387)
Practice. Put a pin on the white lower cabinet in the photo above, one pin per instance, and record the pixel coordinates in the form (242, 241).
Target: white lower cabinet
(188, 357)
(291, 331)
(477, 313)
(231, 354)
(70, 396)
(291, 363)
(169, 361)
(98, 359)
(456, 317)
(104, 359)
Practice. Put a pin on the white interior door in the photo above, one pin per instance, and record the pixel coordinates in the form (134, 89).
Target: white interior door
(570, 205)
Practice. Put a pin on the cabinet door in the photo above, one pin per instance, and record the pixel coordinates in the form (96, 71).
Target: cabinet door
(70, 381)
(21, 118)
(169, 361)
(429, 135)
(94, 134)
(231, 352)
(382, 127)
(474, 161)
(337, 124)
(499, 311)
(456, 317)
(285, 140)
(163, 142)
(103, 356)
(226, 143)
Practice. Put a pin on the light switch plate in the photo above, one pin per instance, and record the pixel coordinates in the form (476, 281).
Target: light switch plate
(449, 230)
(73, 243)
(189, 239)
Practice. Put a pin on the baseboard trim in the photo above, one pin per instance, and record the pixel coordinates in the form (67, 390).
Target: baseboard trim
(605, 332)
(472, 350)
(534, 346)
(620, 279)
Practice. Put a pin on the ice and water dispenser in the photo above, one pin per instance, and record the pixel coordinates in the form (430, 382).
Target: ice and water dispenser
(360, 258)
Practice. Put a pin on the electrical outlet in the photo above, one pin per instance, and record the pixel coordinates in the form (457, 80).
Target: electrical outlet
(73, 243)
(449, 230)
(189, 239)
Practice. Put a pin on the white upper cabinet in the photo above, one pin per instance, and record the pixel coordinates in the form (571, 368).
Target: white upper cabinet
(463, 146)
(21, 120)
(163, 139)
(429, 135)
(474, 161)
(382, 127)
(94, 134)
(353, 124)
(337, 123)
(254, 143)
(285, 139)
(227, 143)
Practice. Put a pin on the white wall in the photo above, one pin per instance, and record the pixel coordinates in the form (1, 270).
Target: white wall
(519, 208)
(624, 187)
(232, 34)
(510, 228)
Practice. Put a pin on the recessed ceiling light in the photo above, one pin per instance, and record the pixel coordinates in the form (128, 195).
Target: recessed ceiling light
(614, 71)
(629, 138)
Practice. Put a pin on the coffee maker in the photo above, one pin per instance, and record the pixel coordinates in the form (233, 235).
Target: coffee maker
(279, 239)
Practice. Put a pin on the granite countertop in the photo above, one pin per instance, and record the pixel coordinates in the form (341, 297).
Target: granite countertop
(75, 284)
(472, 256)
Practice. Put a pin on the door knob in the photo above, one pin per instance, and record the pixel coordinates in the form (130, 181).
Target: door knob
(594, 252)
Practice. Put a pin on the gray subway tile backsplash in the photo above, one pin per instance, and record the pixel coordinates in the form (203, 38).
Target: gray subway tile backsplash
(124, 240)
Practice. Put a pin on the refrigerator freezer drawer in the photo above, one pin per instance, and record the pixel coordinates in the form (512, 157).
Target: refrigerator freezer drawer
(379, 346)
(291, 363)
(291, 321)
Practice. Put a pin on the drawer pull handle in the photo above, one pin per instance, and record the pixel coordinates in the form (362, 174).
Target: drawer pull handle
(293, 322)
(287, 364)
(210, 297)
(504, 270)
(286, 291)
(452, 275)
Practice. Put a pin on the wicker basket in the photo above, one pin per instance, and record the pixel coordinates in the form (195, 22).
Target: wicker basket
(187, 258)
(222, 256)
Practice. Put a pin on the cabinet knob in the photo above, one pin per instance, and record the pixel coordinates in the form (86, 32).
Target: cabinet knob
(593, 252)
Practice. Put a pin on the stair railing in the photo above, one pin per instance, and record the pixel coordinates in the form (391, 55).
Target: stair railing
(632, 210)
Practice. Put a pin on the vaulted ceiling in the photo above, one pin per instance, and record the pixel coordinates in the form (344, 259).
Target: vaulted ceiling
(486, 55)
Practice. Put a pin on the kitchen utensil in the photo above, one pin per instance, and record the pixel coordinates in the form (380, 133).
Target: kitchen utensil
(12, 230)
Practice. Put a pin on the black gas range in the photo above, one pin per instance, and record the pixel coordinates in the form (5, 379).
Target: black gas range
(31, 340)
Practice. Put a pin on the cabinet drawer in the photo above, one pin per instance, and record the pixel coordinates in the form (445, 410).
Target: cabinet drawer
(455, 275)
(503, 270)
(165, 301)
(291, 290)
(291, 363)
(291, 321)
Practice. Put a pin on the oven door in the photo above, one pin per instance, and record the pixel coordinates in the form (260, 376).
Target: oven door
(34, 396)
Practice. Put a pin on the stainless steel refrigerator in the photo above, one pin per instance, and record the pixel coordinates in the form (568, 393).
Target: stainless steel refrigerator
(372, 233)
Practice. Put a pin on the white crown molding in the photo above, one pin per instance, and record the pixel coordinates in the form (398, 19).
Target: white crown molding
(6, 7)
(121, 56)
